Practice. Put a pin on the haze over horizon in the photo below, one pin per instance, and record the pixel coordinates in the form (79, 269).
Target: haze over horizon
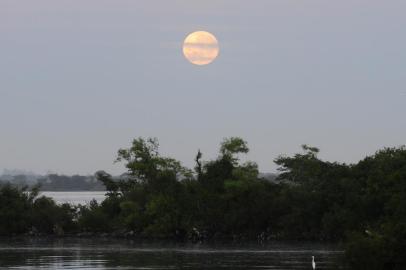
(81, 79)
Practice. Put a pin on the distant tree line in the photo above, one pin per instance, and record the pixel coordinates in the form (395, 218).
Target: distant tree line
(361, 205)
(54, 182)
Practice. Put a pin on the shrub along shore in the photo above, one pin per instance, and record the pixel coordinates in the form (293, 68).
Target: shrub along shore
(361, 205)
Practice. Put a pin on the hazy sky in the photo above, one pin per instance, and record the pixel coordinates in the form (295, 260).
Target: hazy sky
(80, 79)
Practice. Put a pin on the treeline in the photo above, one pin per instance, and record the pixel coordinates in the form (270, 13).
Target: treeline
(54, 182)
(362, 205)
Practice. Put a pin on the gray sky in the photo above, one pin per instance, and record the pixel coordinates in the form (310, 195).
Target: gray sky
(80, 79)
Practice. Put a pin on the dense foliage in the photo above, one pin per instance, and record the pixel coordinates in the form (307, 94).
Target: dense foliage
(362, 205)
(25, 212)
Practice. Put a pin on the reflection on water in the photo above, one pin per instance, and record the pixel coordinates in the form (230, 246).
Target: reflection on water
(121, 254)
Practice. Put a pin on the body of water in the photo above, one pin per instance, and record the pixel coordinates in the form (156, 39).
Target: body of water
(121, 254)
(104, 254)
(74, 197)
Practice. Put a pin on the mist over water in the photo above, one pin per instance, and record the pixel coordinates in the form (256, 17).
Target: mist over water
(125, 254)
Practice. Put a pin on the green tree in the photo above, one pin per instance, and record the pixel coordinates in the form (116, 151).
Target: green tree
(230, 147)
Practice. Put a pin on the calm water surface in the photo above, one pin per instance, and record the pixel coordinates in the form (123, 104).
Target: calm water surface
(122, 254)
(74, 197)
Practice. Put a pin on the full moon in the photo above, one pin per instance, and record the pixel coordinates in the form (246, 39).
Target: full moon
(200, 48)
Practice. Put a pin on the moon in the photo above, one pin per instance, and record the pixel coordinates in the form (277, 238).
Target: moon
(200, 48)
